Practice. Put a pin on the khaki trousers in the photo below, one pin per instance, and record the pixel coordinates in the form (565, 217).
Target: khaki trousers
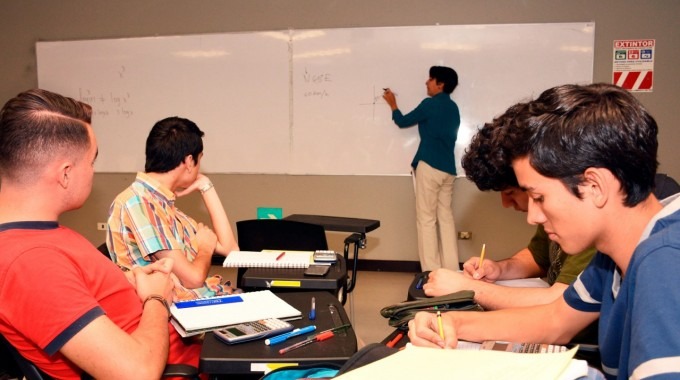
(437, 243)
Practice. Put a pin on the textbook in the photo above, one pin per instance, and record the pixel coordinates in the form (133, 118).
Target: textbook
(206, 314)
(268, 259)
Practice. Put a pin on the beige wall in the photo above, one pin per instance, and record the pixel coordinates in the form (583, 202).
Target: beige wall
(388, 199)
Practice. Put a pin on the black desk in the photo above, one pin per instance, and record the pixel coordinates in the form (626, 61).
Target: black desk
(249, 359)
(359, 227)
(338, 223)
(294, 279)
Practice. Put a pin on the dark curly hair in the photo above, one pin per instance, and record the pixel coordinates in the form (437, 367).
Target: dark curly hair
(488, 159)
(565, 131)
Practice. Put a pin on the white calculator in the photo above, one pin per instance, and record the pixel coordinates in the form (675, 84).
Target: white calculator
(523, 348)
(244, 332)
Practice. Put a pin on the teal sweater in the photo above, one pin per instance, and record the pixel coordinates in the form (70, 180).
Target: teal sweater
(438, 120)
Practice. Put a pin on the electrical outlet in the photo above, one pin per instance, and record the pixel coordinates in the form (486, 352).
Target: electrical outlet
(464, 235)
(101, 226)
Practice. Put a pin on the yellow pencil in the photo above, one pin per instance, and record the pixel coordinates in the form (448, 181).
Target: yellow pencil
(439, 324)
(481, 256)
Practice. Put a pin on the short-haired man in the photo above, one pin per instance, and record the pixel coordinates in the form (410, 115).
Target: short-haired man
(587, 158)
(434, 167)
(145, 225)
(63, 305)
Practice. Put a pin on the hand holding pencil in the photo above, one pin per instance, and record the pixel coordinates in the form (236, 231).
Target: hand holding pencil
(480, 269)
(430, 329)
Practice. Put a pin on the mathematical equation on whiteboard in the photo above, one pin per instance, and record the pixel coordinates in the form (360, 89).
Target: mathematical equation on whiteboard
(107, 104)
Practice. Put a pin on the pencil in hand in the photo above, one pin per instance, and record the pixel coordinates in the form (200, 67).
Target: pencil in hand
(476, 275)
(481, 256)
(439, 324)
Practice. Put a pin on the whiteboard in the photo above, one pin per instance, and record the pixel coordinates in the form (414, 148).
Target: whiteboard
(233, 86)
(307, 101)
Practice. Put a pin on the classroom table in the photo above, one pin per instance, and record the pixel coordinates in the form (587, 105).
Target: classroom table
(359, 227)
(249, 360)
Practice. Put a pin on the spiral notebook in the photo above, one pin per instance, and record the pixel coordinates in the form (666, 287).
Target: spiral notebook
(268, 259)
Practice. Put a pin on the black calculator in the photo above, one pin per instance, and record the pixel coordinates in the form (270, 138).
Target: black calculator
(245, 332)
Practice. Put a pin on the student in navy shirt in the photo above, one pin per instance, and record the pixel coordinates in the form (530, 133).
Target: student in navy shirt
(586, 155)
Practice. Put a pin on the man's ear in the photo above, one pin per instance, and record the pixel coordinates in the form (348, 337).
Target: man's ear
(63, 174)
(597, 185)
(189, 163)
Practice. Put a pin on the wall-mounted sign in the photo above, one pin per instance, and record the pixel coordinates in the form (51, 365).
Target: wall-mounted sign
(633, 67)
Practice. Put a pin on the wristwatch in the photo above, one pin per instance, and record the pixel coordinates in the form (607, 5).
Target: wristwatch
(205, 187)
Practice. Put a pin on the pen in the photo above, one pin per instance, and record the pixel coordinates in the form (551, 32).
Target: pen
(395, 340)
(283, 337)
(280, 256)
(312, 311)
(481, 256)
(439, 324)
(317, 338)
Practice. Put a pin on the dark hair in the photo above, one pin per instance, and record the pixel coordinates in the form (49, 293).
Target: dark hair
(38, 125)
(485, 160)
(169, 142)
(573, 128)
(446, 75)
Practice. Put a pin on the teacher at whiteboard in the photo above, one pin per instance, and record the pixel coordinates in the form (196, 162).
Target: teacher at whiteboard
(434, 167)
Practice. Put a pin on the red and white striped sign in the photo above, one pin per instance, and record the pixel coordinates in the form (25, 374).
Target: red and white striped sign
(634, 80)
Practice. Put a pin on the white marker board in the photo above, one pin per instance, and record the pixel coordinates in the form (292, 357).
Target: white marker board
(306, 101)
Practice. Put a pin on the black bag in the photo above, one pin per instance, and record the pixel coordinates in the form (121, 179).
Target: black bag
(399, 314)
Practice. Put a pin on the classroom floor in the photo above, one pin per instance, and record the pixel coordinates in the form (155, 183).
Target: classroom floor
(373, 291)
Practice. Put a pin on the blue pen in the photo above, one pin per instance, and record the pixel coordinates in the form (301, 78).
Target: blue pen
(284, 337)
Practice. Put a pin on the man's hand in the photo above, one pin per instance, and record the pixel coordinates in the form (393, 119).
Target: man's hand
(155, 278)
(201, 180)
(391, 100)
(423, 330)
(489, 272)
(207, 239)
(445, 281)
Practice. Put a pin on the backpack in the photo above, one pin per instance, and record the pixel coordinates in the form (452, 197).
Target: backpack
(367, 354)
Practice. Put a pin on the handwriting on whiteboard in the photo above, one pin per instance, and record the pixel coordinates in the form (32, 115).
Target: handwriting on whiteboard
(107, 104)
(316, 84)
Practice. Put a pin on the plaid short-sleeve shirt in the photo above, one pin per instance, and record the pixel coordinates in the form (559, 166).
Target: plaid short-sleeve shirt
(143, 220)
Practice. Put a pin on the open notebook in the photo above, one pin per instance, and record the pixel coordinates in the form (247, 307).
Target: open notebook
(205, 314)
(268, 259)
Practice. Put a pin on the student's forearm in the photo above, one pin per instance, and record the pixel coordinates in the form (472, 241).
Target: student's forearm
(494, 297)
(220, 222)
(533, 324)
(195, 278)
(520, 265)
(152, 335)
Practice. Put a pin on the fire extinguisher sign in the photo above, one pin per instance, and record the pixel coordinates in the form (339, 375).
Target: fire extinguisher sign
(633, 67)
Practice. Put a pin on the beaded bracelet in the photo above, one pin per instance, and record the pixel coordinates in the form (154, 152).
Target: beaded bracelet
(161, 299)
